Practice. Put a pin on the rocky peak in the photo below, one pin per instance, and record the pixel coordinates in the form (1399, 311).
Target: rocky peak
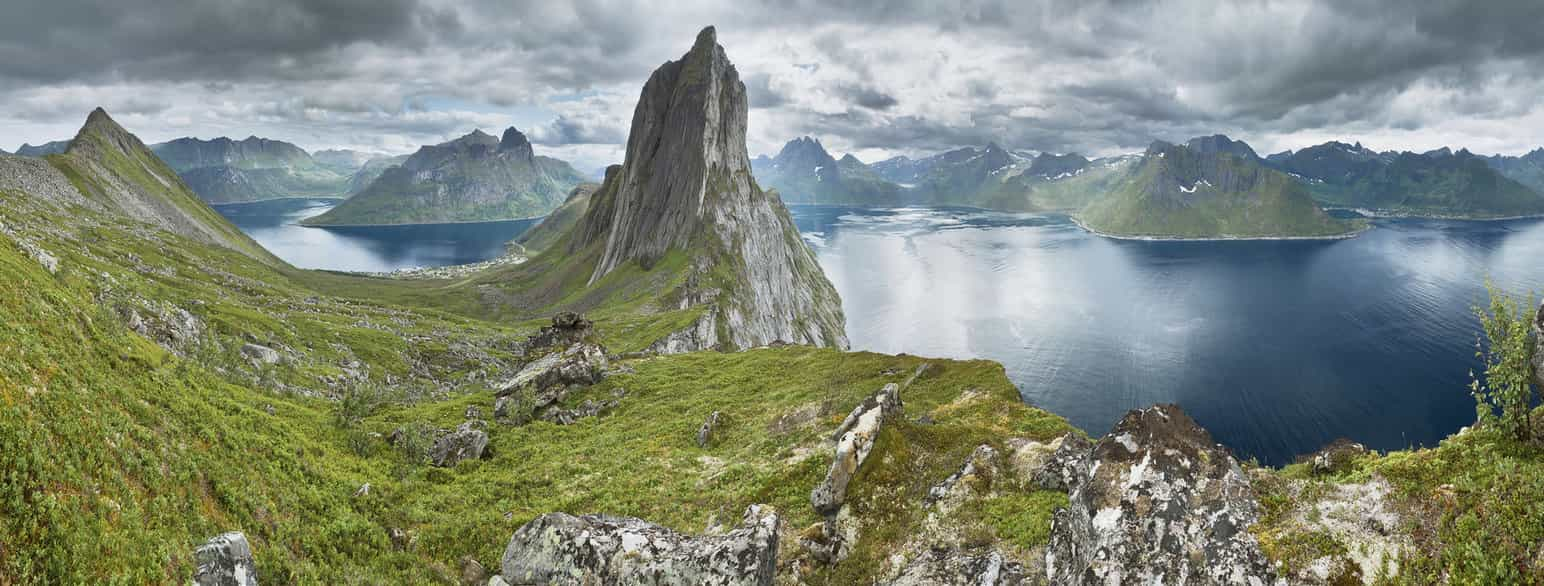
(848, 159)
(1158, 146)
(1219, 143)
(685, 184)
(515, 142)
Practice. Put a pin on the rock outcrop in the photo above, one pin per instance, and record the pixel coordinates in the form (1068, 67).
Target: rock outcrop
(546, 381)
(561, 549)
(225, 560)
(854, 439)
(1157, 502)
(686, 185)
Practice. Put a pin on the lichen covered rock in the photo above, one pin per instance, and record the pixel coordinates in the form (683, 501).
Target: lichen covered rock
(225, 560)
(467, 442)
(561, 549)
(1158, 503)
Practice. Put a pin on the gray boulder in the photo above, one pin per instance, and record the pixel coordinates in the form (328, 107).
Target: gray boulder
(946, 567)
(225, 560)
(1067, 467)
(1158, 502)
(467, 442)
(258, 354)
(561, 549)
(706, 432)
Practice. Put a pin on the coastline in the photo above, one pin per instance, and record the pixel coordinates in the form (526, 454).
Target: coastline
(452, 222)
(1391, 215)
(1086, 228)
(272, 199)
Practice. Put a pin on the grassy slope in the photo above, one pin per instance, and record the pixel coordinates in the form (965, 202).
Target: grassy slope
(126, 456)
(1274, 205)
(1470, 509)
(559, 222)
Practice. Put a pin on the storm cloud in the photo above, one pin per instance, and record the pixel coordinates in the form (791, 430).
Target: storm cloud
(876, 78)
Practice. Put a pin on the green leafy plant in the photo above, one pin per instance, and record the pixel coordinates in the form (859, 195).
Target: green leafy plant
(1507, 354)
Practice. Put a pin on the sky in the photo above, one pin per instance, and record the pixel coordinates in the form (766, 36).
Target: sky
(876, 78)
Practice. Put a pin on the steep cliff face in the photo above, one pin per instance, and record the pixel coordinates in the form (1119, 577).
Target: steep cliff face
(686, 185)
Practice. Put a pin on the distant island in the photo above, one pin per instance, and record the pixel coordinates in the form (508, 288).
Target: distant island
(1209, 188)
(474, 178)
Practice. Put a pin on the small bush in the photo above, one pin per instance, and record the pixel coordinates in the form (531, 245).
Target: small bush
(1507, 354)
(357, 403)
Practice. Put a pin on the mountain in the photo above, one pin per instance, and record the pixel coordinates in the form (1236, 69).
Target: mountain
(958, 176)
(679, 240)
(1053, 183)
(803, 172)
(43, 150)
(343, 161)
(222, 170)
(560, 221)
(1527, 169)
(1208, 188)
(371, 170)
(108, 168)
(474, 178)
(1435, 183)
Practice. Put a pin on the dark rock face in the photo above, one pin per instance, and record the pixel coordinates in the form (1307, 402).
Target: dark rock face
(561, 549)
(225, 560)
(1158, 502)
(686, 185)
(1218, 143)
(1053, 166)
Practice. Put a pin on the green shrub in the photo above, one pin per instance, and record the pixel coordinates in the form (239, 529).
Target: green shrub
(1507, 353)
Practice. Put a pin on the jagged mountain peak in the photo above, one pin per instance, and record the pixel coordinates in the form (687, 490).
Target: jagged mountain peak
(849, 159)
(685, 185)
(514, 141)
(1221, 143)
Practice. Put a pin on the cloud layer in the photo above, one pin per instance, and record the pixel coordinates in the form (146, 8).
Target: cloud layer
(875, 78)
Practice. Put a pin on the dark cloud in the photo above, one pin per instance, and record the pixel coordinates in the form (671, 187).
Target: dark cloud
(1085, 75)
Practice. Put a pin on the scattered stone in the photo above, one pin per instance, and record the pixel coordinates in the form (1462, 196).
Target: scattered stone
(257, 354)
(946, 567)
(472, 572)
(467, 442)
(1361, 517)
(706, 431)
(1158, 503)
(268, 408)
(364, 491)
(472, 412)
(497, 580)
(503, 408)
(561, 549)
(225, 560)
(589, 408)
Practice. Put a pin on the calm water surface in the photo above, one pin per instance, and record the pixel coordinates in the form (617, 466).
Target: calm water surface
(1276, 347)
(367, 248)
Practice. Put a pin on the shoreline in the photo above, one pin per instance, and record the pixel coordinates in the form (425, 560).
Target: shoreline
(449, 223)
(272, 199)
(1389, 215)
(1086, 228)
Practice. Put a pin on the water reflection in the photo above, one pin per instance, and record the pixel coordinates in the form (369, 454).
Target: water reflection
(1277, 347)
(367, 248)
